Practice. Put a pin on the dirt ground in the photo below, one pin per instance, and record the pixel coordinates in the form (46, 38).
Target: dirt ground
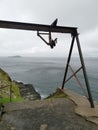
(50, 114)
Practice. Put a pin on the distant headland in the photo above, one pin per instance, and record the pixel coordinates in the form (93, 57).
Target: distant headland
(16, 56)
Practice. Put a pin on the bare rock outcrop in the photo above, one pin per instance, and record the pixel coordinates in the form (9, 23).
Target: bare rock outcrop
(27, 91)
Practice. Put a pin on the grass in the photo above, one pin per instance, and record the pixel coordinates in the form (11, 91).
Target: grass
(7, 83)
(15, 89)
(57, 94)
(15, 96)
(4, 76)
(7, 100)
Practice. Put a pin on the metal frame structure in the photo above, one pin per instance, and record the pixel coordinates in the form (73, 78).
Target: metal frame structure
(53, 28)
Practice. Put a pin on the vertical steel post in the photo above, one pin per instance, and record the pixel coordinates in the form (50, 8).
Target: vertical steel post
(68, 60)
(84, 72)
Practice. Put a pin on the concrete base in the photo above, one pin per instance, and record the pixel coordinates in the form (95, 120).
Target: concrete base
(83, 107)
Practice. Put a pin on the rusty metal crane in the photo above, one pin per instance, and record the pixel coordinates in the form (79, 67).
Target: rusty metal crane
(47, 30)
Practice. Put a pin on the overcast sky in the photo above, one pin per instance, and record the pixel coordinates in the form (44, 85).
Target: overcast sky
(79, 13)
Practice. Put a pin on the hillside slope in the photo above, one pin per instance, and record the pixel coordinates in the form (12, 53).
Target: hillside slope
(9, 90)
(15, 91)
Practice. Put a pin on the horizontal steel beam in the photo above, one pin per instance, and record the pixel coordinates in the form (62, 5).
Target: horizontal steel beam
(37, 27)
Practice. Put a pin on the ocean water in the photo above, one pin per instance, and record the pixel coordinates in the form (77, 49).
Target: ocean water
(46, 74)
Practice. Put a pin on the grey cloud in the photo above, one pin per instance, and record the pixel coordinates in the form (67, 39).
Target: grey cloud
(82, 14)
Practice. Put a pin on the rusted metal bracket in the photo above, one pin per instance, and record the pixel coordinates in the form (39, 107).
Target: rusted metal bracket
(78, 81)
(50, 42)
(73, 74)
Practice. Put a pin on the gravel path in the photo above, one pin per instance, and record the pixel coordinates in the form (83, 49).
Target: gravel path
(50, 114)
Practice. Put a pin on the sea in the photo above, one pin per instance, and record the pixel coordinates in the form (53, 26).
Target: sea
(46, 73)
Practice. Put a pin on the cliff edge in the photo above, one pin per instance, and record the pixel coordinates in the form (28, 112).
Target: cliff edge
(57, 112)
(62, 110)
(13, 91)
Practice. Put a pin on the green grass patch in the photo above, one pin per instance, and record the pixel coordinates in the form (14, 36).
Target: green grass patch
(7, 100)
(15, 89)
(15, 94)
(4, 100)
(57, 94)
(7, 84)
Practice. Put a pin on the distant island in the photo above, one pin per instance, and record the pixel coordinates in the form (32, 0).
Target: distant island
(16, 56)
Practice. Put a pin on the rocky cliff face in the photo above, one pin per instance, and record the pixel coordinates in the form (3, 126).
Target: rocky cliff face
(5, 85)
(12, 91)
(15, 91)
(27, 91)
